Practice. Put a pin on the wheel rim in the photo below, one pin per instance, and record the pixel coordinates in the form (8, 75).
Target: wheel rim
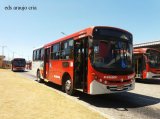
(68, 85)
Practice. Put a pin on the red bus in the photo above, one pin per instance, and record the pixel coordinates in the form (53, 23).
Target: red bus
(96, 60)
(147, 63)
(18, 64)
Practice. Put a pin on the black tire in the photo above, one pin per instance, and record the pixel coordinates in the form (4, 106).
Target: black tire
(39, 79)
(68, 86)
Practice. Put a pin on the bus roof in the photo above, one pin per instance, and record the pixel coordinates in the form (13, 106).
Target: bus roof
(86, 32)
(38, 47)
(80, 34)
(18, 59)
(143, 50)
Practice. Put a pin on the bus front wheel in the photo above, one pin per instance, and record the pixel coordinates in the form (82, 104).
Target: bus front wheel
(68, 86)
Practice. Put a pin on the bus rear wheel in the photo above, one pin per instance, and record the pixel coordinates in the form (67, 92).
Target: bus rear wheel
(68, 86)
(39, 79)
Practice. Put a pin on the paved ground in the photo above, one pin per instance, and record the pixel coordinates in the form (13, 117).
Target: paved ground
(141, 103)
(22, 98)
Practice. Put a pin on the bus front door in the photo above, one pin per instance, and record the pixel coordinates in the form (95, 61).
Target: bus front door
(80, 64)
(139, 66)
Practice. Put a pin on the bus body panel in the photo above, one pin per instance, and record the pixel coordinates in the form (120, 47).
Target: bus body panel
(96, 82)
(18, 68)
(151, 75)
(99, 88)
(81, 34)
(18, 64)
(55, 73)
(147, 72)
(100, 83)
(37, 65)
(57, 70)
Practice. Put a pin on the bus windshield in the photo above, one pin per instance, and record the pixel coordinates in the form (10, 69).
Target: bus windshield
(19, 62)
(112, 54)
(154, 58)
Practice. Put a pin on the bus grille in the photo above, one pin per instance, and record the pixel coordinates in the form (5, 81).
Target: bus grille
(155, 76)
(119, 88)
(124, 81)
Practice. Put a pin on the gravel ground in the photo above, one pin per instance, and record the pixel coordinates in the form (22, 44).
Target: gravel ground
(21, 98)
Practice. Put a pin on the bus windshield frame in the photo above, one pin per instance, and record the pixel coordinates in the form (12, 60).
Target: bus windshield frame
(153, 57)
(20, 62)
(112, 51)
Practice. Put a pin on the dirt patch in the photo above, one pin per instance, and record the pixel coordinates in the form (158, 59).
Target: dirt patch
(21, 98)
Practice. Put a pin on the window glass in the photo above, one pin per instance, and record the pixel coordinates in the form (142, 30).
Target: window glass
(65, 45)
(42, 54)
(56, 48)
(34, 55)
(153, 58)
(37, 54)
(71, 42)
(112, 54)
(55, 54)
(67, 52)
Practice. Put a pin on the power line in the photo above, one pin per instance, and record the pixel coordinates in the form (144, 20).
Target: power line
(63, 33)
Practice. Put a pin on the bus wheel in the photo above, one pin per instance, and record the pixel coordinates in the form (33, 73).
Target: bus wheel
(68, 87)
(38, 77)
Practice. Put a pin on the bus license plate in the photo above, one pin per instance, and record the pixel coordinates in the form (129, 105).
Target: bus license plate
(120, 87)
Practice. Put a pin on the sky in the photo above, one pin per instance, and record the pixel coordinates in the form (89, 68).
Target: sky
(23, 30)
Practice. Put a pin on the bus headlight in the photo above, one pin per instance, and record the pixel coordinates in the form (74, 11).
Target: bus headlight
(133, 80)
(100, 80)
(95, 76)
(105, 82)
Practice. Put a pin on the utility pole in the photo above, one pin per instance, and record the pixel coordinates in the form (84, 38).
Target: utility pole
(3, 46)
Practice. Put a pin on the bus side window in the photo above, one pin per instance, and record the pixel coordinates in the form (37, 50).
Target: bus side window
(39, 56)
(51, 53)
(42, 54)
(67, 49)
(55, 52)
(34, 55)
(71, 48)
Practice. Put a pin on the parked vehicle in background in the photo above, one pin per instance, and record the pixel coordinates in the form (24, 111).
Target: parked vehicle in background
(96, 60)
(29, 65)
(18, 64)
(147, 63)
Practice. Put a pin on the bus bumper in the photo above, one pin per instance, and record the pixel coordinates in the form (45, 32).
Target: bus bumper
(151, 75)
(99, 88)
(19, 69)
